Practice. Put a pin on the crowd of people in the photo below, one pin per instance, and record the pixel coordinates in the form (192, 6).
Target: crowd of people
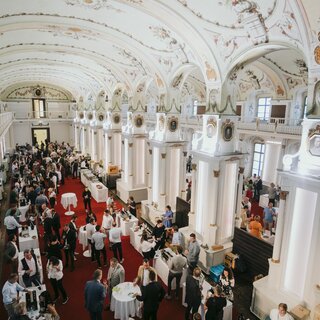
(37, 174)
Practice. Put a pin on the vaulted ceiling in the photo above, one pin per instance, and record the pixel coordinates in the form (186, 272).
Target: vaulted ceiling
(86, 46)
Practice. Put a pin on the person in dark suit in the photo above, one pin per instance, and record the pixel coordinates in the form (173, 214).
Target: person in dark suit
(75, 166)
(86, 195)
(56, 223)
(257, 189)
(193, 292)
(94, 295)
(11, 252)
(215, 304)
(152, 295)
(69, 239)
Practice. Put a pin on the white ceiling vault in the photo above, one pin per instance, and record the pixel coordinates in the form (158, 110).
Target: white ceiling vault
(89, 46)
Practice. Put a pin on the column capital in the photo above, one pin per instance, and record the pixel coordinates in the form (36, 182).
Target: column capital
(275, 260)
(194, 166)
(109, 137)
(216, 173)
(150, 151)
(283, 195)
(241, 170)
(130, 144)
(163, 155)
(185, 153)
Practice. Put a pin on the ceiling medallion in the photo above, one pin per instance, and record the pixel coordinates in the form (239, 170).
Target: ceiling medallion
(317, 54)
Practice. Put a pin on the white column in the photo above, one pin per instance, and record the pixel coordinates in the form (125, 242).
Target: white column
(183, 193)
(279, 228)
(130, 164)
(76, 137)
(271, 156)
(162, 180)
(239, 197)
(193, 196)
(149, 172)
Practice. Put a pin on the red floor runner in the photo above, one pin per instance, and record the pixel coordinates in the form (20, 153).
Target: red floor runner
(74, 282)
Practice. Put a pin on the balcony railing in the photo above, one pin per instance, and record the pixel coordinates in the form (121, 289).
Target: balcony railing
(54, 115)
(273, 125)
(5, 120)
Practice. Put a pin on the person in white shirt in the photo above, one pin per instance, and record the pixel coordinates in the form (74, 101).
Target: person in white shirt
(11, 223)
(107, 221)
(55, 275)
(146, 246)
(29, 269)
(110, 201)
(115, 240)
(9, 293)
(98, 239)
(90, 229)
(280, 313)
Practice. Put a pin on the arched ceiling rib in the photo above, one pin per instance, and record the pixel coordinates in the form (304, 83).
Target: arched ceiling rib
(94, 45)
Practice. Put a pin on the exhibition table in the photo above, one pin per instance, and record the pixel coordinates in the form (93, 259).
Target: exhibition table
(68, 199)
(29, 240)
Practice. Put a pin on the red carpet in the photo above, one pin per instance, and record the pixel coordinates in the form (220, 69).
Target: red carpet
(74, 282)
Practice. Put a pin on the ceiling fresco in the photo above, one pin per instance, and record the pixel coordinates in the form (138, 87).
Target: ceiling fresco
(92, 45)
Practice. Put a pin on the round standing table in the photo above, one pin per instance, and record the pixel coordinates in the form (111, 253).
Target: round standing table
(68, 199)
(83, 239)
(123, 303)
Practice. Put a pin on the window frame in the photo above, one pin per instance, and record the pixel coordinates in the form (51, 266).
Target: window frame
(41, 113)
(266, 114)
(260, 153)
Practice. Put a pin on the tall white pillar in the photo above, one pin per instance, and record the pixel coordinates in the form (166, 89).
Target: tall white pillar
(193, 197)
(162, 180)
(240, 196)
(279, 228)
(183, 193)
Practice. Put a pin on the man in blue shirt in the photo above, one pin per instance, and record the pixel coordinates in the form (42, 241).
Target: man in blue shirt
(268, 214)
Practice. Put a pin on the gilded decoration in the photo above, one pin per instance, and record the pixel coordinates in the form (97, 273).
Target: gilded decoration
(314, 141)
(37, 92)
(81, 115)
(138, 120)
(90, 116)
(173, 123)
(116, 118)
(227, 130)
(101, 117)
(211, 127)
(317, 54)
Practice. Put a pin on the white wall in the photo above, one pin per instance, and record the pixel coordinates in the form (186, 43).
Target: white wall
(60, 131)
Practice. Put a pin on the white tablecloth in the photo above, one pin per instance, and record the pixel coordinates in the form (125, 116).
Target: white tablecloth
(264, 200)
(135, 237)
(34, 314)
(69, 198)
(122, 302)
(126, 225)
(31, 242)
(163, 270)
(227, 310)
(37, 254)
(23, 210)
(100, 195)
(83, 239)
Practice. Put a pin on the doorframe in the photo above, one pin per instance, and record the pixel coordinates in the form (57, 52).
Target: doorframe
(39, 128)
